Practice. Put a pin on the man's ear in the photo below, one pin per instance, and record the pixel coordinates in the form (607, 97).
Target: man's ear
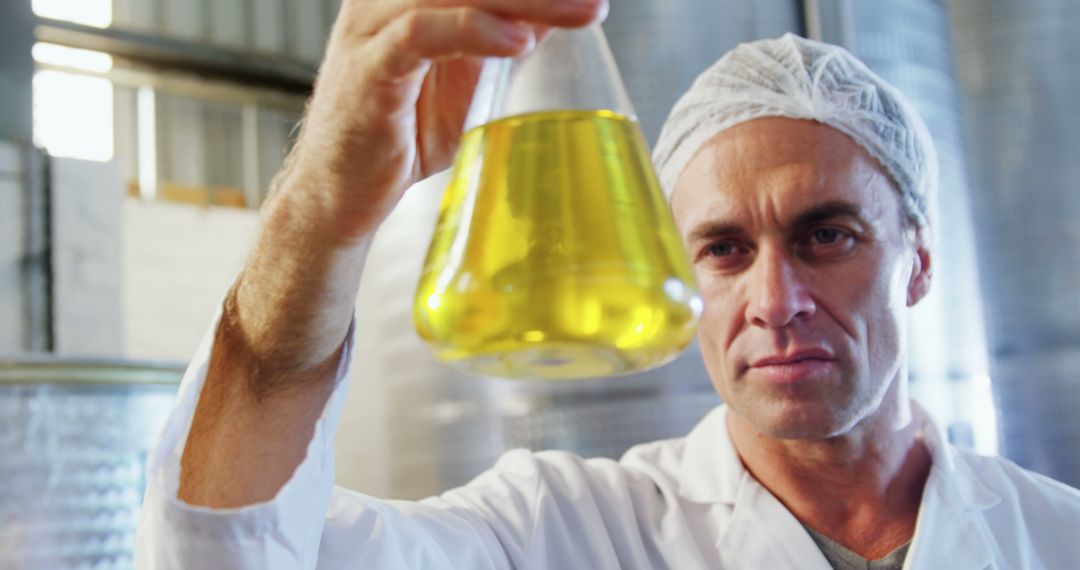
(922, 271)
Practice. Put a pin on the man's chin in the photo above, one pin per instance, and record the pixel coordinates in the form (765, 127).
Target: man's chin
(801, 421)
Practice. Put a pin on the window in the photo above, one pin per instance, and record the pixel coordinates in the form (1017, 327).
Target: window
(97, 13)
(73, 115)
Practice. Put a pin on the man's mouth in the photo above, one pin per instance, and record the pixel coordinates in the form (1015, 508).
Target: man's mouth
(794, 366)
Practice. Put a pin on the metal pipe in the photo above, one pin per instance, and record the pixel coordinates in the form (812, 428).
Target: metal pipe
(845, 24)
(831, 21)
(36, 267)
(239, 66)
(812, 19)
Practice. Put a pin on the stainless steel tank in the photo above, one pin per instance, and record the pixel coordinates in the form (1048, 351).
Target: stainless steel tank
(1017, 64)
(74, 436)
(909, 43)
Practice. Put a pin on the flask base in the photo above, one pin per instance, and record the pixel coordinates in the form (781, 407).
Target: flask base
(551, 361)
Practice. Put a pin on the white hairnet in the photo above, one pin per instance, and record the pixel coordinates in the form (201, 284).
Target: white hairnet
(804, 79)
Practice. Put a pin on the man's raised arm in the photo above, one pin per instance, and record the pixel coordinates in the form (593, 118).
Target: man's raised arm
(387, 111)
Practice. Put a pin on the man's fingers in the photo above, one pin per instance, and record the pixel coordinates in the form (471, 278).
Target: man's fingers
(367, 17)
(421, 35)
(560, 13)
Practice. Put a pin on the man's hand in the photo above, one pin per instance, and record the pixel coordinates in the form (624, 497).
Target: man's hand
(394, 89)
(387, 111)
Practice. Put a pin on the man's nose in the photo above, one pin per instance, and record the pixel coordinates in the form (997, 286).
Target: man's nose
(778, 295)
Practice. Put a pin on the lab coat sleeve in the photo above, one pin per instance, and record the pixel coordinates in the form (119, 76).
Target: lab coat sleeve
(479, 526)
(530, 510)
(311, 523)
(284, 532)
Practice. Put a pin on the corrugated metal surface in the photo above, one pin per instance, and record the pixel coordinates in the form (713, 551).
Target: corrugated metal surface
(292, 28)
(1017, 62)
(662, 46)
(74, 436)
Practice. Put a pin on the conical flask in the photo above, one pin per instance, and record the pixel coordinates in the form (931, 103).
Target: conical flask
(555, 255)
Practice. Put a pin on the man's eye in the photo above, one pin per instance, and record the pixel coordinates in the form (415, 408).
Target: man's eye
(721, 249)
(727, 255)
(826, 236)
(827, 243)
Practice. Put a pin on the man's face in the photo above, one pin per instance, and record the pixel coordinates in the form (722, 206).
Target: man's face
(806, 265)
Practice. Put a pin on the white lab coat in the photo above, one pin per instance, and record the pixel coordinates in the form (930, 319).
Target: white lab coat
(686, 503)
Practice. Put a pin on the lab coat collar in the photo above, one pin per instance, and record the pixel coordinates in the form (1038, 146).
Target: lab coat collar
(950, 532)
(962, 488)
(760, 532)
(712, 471)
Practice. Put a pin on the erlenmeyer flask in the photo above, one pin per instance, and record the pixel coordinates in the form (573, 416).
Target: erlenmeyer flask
(555, 255)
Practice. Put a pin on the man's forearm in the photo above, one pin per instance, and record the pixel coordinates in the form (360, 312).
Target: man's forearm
(295, 296)
(368, 136)
(274, 359)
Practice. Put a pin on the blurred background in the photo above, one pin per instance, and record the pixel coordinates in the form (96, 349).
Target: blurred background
(138, 139)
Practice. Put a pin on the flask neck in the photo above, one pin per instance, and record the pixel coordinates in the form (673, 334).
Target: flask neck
(568, 70)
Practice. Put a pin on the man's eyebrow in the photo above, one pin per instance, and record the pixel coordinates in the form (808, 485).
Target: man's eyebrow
(816, 214)
(828, 211)
(711, 230)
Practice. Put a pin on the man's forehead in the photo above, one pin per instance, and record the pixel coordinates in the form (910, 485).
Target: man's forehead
(780, 169)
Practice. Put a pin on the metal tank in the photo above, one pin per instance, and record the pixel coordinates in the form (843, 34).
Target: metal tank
(908, 42)
(443, 428)
(74, 437)
(1017, 64)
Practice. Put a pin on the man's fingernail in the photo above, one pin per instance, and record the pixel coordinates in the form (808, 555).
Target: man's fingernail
(517, 35)
(599, 7)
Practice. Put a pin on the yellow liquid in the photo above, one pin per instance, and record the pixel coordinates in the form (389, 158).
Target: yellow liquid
(555, 255)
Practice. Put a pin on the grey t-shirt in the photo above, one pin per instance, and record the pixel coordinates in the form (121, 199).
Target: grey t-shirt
(841, 558)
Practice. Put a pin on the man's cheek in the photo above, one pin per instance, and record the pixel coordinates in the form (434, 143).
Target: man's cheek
(711, 332)
(718, 298)
(719, 369)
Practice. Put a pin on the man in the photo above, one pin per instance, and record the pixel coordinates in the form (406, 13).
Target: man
(802, 186)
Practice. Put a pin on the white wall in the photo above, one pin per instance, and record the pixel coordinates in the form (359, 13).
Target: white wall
(86, 214)
(177, 263)
(179, 260)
